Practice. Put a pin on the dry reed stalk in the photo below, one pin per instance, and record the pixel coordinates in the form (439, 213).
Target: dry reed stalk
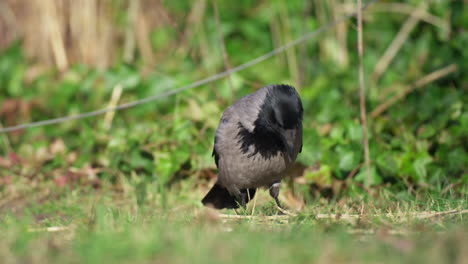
(193, 23)
(275, 30)
(304, 62)
(8, 25)
(341, 31)
(52, 21)
(291, 57)
(143, 30)
(321, 14)
(194, 27)
(64, 32)
(130, 41)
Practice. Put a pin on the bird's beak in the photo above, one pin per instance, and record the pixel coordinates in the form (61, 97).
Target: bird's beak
(290, 152)
(289, 148)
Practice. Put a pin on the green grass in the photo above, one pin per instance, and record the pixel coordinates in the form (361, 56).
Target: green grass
(108, 226)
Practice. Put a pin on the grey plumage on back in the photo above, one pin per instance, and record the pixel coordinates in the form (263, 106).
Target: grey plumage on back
(257, 140)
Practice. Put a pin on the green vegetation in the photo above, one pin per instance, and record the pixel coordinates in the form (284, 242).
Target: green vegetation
(127, 186)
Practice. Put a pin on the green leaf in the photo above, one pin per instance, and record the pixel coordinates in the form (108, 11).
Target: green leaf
(322, 177)
(363, 177)
(420, 167)
(347, 161)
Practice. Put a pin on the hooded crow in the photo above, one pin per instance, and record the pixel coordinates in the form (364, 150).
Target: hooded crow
(257, 140)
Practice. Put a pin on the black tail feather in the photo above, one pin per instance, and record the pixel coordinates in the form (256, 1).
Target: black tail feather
(218, 197)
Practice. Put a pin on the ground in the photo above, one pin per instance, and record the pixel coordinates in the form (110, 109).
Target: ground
(42, 223)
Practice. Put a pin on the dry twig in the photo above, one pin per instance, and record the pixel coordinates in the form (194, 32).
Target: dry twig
(420, 83)
(362, 95)
(403, 9)
(286, 212)
(227, 65)
(115, 97)
(51, 229)
(417, 215)
(272, 217)
(397, 42)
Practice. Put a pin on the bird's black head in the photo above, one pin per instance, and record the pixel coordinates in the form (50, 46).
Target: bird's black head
(282, 108)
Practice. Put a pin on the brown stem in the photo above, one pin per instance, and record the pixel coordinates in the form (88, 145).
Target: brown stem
(362, 95)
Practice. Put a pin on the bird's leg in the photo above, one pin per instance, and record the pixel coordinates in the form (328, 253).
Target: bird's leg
(239, 197)
(241, 200)
(274, 192)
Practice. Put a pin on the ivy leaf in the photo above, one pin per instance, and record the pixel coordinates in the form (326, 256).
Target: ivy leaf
(420, 167)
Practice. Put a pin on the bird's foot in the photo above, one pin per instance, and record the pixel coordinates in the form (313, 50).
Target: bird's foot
(285, 212)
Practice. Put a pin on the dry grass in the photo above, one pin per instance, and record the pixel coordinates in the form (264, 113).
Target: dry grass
(64, 32)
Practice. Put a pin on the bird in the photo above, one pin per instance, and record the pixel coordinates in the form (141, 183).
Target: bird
(258, 138)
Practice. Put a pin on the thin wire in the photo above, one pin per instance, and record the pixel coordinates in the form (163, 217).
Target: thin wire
(189, 86)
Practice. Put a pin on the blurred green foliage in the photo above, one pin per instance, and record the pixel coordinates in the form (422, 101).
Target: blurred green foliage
(420, 142)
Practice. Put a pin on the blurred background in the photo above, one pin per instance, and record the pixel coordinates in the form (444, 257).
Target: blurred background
(64, 57)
